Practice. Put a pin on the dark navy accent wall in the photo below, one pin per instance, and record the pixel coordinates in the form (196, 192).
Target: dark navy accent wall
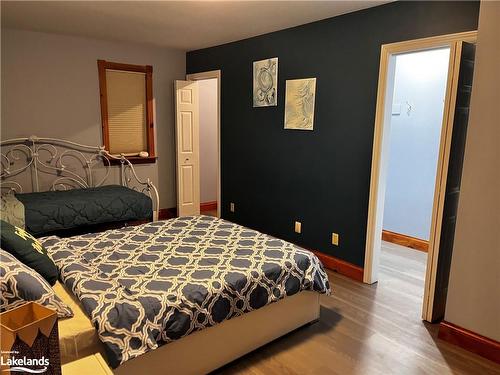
(321, 178)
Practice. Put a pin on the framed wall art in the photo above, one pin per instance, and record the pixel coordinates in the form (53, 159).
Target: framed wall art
(265, 83)
(299, 103)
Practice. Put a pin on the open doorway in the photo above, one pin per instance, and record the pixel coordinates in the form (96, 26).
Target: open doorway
(207, 90)
(197, 108)
(417, 125)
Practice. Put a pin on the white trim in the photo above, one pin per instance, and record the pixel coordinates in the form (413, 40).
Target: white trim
(209, 75)
(380, 153)
(441, 177)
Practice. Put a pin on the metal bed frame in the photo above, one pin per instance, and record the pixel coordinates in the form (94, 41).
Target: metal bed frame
(65, 165)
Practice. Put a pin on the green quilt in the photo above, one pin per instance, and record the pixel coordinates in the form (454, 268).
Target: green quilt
(51, 211)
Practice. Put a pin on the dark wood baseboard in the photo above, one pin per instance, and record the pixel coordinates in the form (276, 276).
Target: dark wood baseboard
(208, 206)
(468, 340)
(341, 266)
(167, 213)
(404, 240)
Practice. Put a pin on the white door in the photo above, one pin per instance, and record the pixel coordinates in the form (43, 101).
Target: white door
(187, 147)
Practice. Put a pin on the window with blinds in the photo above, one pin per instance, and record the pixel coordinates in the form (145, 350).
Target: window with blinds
(126, 106)
(126, 92)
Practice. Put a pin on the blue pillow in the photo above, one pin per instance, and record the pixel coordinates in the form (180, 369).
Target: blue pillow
(21, 284)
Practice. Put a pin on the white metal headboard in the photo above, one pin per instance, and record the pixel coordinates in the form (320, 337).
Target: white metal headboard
(65, 165)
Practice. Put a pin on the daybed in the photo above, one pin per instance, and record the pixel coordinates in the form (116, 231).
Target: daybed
(53, 186)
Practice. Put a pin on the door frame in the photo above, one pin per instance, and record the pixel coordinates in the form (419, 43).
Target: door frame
(217, 75)
(381, 152)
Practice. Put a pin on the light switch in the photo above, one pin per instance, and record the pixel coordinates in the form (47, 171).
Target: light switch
(231, 207)
(298, 227)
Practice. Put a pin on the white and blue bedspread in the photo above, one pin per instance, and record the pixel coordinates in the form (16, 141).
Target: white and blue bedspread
(148, 285)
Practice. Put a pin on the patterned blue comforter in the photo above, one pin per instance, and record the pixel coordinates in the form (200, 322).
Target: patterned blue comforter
(147, 285)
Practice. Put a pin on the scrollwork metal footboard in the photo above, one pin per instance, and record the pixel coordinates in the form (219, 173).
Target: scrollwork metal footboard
(40, 164)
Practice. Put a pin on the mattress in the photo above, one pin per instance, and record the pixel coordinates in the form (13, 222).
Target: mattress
(77, 336)
(52, 211)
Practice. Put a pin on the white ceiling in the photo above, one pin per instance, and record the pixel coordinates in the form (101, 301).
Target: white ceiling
(186, 25)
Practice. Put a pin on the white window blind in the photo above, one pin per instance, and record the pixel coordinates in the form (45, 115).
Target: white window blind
(126, 94)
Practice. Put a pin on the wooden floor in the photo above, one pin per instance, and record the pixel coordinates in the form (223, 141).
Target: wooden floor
(368, 329)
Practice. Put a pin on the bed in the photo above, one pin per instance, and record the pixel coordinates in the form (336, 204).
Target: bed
(182, 296)
(159, 292)
(50, 186)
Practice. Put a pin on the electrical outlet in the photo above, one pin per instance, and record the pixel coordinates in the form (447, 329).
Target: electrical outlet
(298, 227)
(231, 207)
(335, 239)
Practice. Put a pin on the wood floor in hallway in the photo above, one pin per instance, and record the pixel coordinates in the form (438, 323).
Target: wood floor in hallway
(368, 329)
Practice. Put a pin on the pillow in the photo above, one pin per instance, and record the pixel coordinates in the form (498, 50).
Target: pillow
(21, 284)
(12, 210)
(28, 250)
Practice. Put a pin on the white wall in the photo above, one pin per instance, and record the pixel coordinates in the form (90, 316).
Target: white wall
(420, 80)
(50, 88)
(208, 140)
(474, 289)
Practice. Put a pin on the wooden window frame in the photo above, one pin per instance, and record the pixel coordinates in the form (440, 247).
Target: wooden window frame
(102, 65)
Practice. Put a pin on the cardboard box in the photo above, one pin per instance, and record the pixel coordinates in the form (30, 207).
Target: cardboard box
(30, 340)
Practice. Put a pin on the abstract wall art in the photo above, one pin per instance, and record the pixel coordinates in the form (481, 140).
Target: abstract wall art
(265, 82)
(299, 103)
